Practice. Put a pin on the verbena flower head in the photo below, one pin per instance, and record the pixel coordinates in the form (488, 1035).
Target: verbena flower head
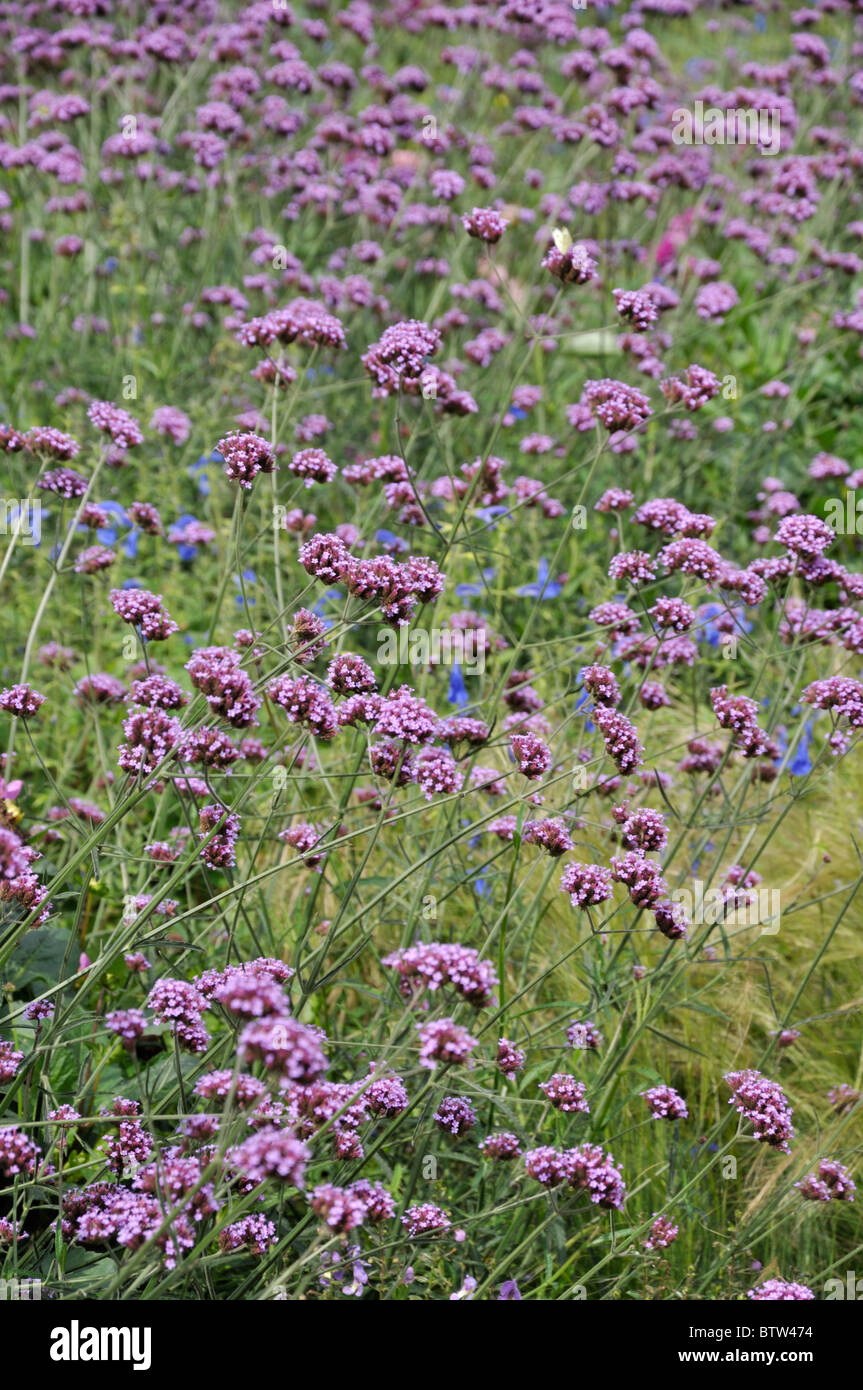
(664, 1103)
(662, 1233)
(272, 1154)
(588, 885)
(425, 1219)
(302, 321)
(10, 1061)
(778, 1290)
(764, 1103)
(285, 1046)
(486, 224)
(143, 610)
(500, 1146)
(21, 700)
(830, 1182)
(583, 1035)
(245, 456)
(396, 362)
(456, 1115)
(119, 424)
(444, 1041)
(566, 1094)
(444, 964)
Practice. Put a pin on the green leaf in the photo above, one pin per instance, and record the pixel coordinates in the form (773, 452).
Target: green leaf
(39, 956)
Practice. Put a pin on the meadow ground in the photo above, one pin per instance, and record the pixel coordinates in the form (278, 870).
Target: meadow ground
(431, 642)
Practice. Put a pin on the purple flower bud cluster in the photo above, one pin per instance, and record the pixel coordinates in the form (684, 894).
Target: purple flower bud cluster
(620, 737)
(532, 756)
(500, 1146)
(21, 700)
(583, 1035)
(662, 1233)
(587, 1169)
(305, 702)
(566, 1094)
(302, 321)
(616, 405)
(739, 713)
(123, 429)
(128, 1024)
(425, 1219)
(830, 1182)
(245, 456)
(143, 610)
(10, 1061)
(486, 224)
(665, 1103)
(272, 1153)
(588, 885)
(285, 1046)
(456, 1115)
(444, 965)
(179, 1004)
(551, 835)
(779, 1291)
(397, 361)
(510, 1059)
(445, 1041)
(600, 683)
(765, 1104)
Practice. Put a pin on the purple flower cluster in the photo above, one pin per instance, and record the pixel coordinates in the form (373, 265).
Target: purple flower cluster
(245, 456)
(588, 1169)
(143, 610)
(765, 1104)
(444, 965)
(664, 1103)
(830, 1182)
(566, 1094)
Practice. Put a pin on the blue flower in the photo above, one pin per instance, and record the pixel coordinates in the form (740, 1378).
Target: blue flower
(107, 535)
(470, 590)
(543, 588)
(197, 471)
(185, 552)
(249, 577)
(329, 596)
(457, 694)
(489, 514)
(711, 633)
(801, 763)
(392, 543)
